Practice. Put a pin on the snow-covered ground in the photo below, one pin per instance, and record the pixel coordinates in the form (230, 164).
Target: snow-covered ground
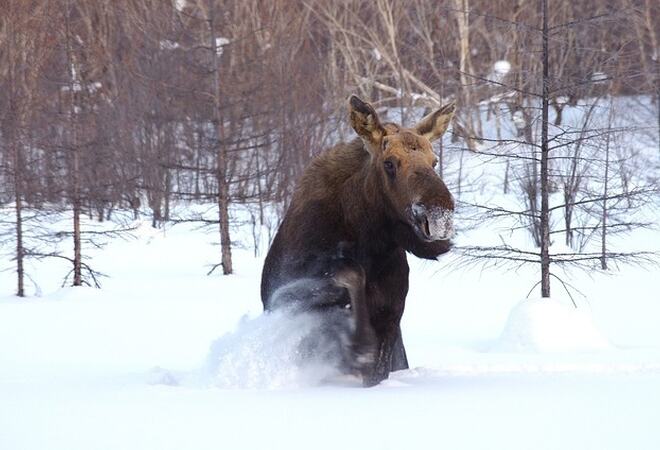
(129, 366)
(166, 357)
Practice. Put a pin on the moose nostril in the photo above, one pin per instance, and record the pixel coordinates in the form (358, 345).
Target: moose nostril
(419, 211)
(426, 226)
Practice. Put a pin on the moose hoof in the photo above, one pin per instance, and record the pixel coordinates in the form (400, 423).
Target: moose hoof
(373, 379)
(374, 374)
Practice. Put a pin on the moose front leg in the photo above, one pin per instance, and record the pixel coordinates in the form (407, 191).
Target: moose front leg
(390, 356)
(378, 305)
(386, 294)
(399, 357)
(364, 346)
(381, 367)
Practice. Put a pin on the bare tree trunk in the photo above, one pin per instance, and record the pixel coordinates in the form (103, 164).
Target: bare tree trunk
(20, 251)
(259, 188)
(545, 213)
(168, 193)
(16, 153)
(572, 181)
(657, 96)
(498, 130)
(648, 17)
(462, 18)
(460, 175)
(75, 175)
(441, 158)
(77, 257)
(198, 164)
(603, 237)
(223, 185)
(568, 216)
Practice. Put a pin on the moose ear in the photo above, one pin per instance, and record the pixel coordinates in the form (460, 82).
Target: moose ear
(365, 122)
(435, 124)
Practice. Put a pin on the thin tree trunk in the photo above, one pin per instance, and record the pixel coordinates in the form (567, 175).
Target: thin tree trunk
(603, 237)
(16, 153)
(259, 188)
(603, 240)
(545, 213)
(441, 158)
(648, 18)
(20, 251)
(498, 130)
(168, 193)
(198, 162)
(77, 257)
(18, 199)
(657, 97)
(462, 18)
(223, 186)
(75, 175)
(568, 216)
(460, 175)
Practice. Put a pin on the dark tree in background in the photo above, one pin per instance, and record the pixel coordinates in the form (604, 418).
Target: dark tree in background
(23, 54)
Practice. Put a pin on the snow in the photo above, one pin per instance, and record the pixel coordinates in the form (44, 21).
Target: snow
(264, 353)
(519, 120)
(499, 71)
(599, 77)
(220, 43)
(502, 67)
(167, 44)
(441, 223)
(546, 325)
(165, 357)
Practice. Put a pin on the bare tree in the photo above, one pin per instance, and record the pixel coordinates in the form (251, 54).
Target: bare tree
(568, 155)
(24, 38)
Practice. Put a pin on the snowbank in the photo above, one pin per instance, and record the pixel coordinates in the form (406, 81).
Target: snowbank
(548, 325)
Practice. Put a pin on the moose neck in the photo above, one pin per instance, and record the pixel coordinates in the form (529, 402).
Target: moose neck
(365, 212)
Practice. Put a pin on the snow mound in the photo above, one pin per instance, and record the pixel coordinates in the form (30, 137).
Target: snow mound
(547, 325)
(272, 351)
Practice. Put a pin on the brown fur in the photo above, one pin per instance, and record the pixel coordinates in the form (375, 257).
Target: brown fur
(350, 221)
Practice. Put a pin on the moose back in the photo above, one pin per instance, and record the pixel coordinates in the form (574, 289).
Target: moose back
(341, 248)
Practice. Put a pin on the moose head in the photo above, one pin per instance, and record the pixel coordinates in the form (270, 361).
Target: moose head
(402, 162)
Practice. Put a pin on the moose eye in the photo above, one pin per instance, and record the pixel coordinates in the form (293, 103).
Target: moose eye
(390, 168)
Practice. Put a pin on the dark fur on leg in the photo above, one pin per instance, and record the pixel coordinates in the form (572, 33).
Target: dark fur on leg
(399, 357)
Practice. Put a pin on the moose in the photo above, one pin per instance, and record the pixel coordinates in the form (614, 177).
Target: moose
(340, 250)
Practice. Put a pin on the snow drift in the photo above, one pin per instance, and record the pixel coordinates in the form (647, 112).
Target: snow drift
(547, 325)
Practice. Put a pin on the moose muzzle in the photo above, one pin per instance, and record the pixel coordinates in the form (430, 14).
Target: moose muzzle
(433, 224)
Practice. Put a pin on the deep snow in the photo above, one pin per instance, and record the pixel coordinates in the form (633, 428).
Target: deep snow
(130, 367)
